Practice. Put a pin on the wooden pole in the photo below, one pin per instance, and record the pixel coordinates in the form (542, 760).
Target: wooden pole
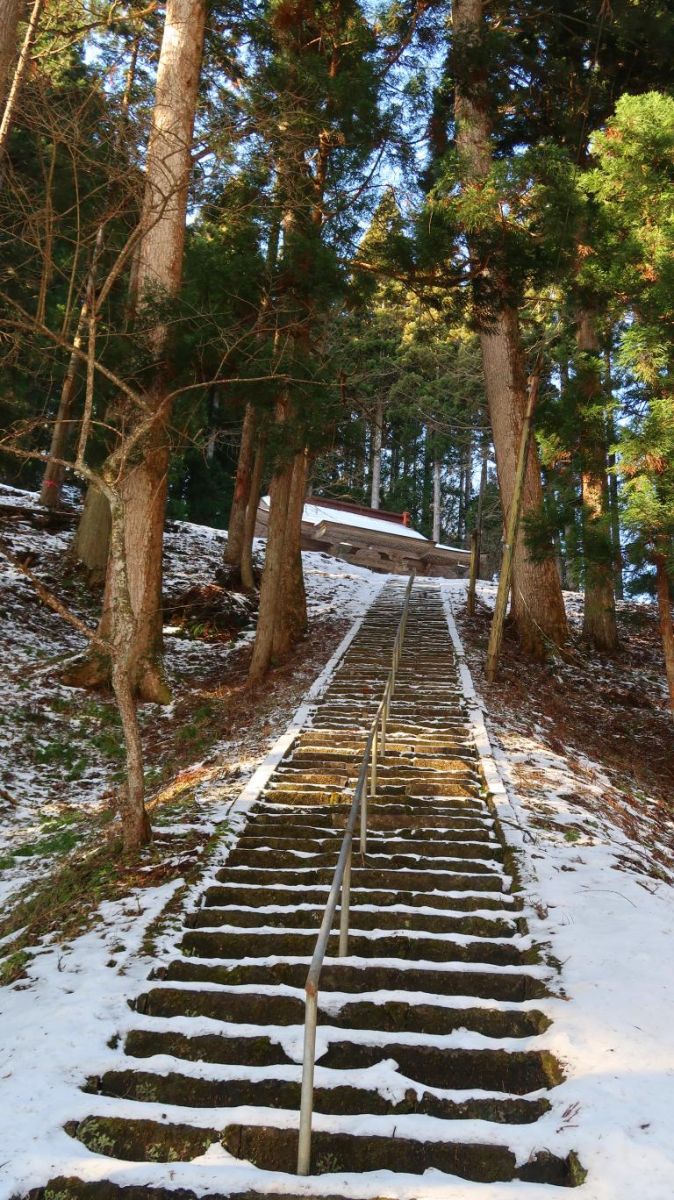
(503, 590)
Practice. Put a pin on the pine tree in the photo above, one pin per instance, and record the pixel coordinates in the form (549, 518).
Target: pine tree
(537, 603)
(315, 93)
(634, 183)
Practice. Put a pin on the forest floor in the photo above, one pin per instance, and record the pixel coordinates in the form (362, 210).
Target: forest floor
(583, 749)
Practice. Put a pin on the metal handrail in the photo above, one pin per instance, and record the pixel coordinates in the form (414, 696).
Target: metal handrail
(375, 748)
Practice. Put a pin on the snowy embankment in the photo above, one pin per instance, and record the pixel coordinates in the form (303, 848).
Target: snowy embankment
(594, 897)
(79, 993)
(61, 748)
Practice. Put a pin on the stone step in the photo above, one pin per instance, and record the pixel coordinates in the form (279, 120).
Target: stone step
(295, 830)
(418, 1014)
(243, 943)
(389, 880)
(342, 1098)
(261, 894)
(479, 856)
(275, 1149)
(292, 917)
(346, 975)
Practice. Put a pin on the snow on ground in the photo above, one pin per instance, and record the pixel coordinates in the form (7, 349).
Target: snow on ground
(58, 1021)
(597, 868)
(604, 903)
(61, 749)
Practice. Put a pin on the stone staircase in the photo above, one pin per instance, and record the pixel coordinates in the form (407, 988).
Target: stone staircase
(428, 1053)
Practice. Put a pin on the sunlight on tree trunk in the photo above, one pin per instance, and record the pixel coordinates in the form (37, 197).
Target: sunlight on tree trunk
(537, 601)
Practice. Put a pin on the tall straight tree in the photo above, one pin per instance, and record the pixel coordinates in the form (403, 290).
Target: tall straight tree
(574, 68)
(537, 602)
(143, 484)
(599, 613)
(10, 15)
(316, 94)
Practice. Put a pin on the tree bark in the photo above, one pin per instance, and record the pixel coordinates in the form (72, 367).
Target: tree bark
(237, 517)
(614, 505)
(377, 441)
(666, 626)
(142, 482)
(11, 94)
(279, 499)
(143, 492)
(246, 563)
(510, 542)
(437, 500)
(537, 601)
(537, 604)
(136, 828)
(291, 609)
(92, 539)
(476, 537)
(10, 15)
(52, 481)
(468, 486)
(599, 616)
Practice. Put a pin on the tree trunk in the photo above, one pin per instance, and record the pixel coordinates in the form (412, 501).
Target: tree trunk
(510, 540)
(143, 492)
(8, 29)
(613, 494)
(599, 617)
(291, 607)
(135, 824)
(279, 499)
(142, 484)
(92, 539)
(537, 601)
(460, 519)
(614, 505)
(246, 563)
(468, 487)
(476, 537)
(211, 441)
(52, 481)
(666, 626)
(54, 472)
(377, 441)
(10, 15)
(437, 501)
(237, 517)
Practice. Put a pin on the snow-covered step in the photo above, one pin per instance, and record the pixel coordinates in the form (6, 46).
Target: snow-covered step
(258, 892)
(367, 975)
(308, 917)
(177, 1088)
(477, 856)
(412, 1012)
(402, 879)
(274, 1148)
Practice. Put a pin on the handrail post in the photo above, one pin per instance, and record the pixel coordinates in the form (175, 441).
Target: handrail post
(345, 905)
(363, 816)
(340, 890)
(307, 1096)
